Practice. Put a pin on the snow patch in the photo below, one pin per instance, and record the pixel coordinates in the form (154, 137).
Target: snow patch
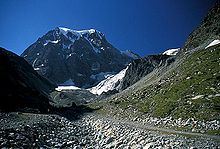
(61, 88)
(171, 52)
(33, 64)
(51, 41)
(90, 31)
(214, 42)
(67, 85)
(81, 55)
(75, 32)
(71, 54)
(108, 84)
(197, 97)
(65, 30)
(216, 95)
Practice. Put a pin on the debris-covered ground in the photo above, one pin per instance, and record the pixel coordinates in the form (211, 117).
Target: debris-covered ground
(24, 130)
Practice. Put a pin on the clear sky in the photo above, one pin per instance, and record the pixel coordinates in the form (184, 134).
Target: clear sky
(143, 26)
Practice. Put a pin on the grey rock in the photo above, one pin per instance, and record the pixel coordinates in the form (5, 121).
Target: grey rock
(62, 62)
(149, 145)
(141, 67)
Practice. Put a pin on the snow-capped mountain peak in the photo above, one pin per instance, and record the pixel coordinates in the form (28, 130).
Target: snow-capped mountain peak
(79, 33)
(94, 37)
(75, 55)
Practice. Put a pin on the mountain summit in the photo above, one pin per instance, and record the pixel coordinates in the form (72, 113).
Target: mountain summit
(70, 57)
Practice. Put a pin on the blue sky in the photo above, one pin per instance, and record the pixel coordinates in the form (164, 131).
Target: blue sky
(143, 26)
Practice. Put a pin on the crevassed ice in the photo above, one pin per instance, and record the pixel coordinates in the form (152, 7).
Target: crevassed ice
(109, 83)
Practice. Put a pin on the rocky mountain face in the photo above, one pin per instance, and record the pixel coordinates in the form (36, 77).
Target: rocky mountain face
(175, 104)
(136, 70)
(75, 57)
(22, 86)
(208, 31)
(139, 68)
(188, 88)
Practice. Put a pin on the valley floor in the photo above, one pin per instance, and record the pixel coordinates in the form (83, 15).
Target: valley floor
(25, 130)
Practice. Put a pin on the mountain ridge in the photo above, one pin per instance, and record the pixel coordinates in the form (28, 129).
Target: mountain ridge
(187, 88)
(22, 86)
(60, 54)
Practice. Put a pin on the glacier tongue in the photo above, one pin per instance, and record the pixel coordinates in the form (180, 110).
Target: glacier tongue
(108, 84)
